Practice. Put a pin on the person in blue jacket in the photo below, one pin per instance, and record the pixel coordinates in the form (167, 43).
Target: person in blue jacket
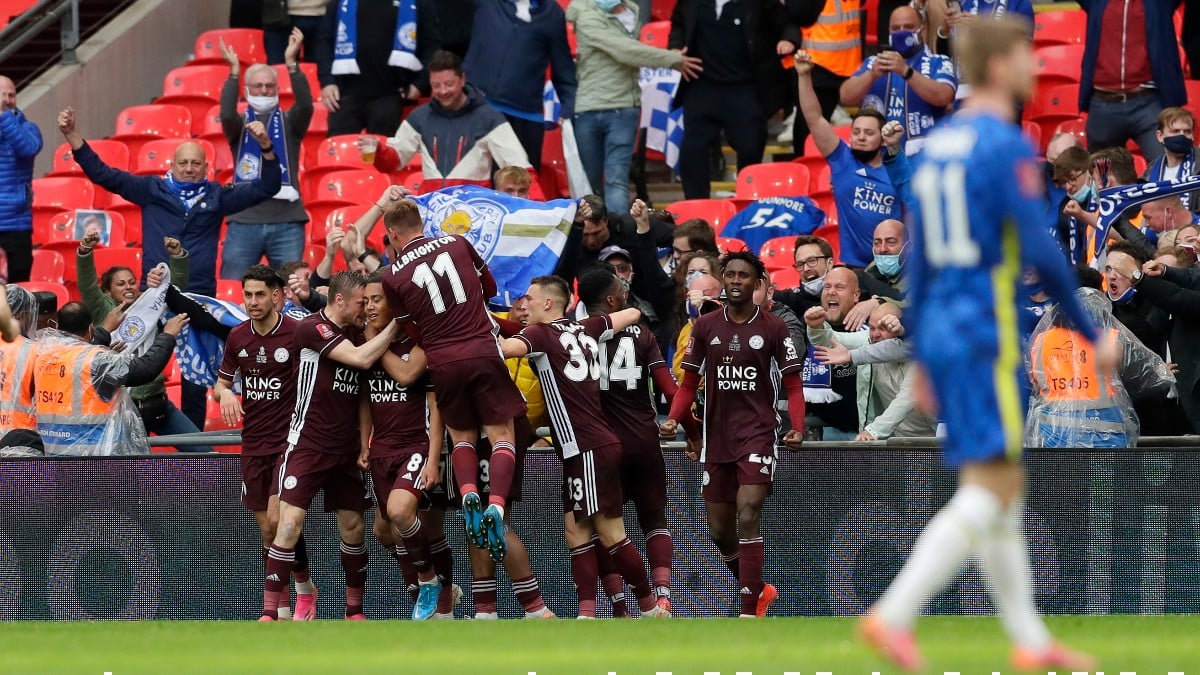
(20, 142)
(182, 203)
(512, 42)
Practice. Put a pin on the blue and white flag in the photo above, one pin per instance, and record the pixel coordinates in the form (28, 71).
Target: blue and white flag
(551, 106)
(818, 380)
(519, 239)
(198, 352)
(1115, 201)
(661, 120)
(139, 326)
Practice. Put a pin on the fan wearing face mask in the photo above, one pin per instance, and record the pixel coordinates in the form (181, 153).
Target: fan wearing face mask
(1176, 127)
(274, 228)
(906, 81)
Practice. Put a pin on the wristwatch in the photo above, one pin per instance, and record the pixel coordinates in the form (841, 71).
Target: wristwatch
(1135, 277)
(909, 73)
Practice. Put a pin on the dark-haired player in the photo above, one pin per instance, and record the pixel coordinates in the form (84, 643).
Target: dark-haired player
(261, 350)
(323, 439)
(405, 436)
(628, 361)
(441, 286)
(977, 221)
(741, 352)
(566, 354)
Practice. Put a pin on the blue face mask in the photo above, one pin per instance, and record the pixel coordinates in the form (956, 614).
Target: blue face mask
(1124, 298)
(906, 42)
(1084, 194)
(1034, 289)
(888, 265)
(607, 5)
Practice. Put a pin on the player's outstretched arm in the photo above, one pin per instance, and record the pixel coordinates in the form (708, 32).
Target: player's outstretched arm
(625, 318)
(406, 372)
(513, 348)
(365, 355)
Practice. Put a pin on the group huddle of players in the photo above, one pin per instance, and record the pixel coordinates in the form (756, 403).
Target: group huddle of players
(364, 393)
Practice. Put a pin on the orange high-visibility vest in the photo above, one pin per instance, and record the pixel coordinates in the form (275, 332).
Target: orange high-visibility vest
(71, 415)
(835, 40)
(1066, 372)
(17, 410)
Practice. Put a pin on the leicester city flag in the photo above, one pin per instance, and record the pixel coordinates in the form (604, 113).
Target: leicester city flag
(198, 352)
(519, 239)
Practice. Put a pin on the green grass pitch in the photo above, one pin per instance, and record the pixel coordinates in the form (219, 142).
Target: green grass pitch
(1155, 645)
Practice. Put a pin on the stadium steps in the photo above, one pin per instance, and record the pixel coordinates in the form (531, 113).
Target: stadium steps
(44, 50)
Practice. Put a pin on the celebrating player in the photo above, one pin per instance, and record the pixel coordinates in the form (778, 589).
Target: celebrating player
(441, 285)
(627, 362)
(261, 350)
(977, 222)
(567, 357)
(323, 440)
(741, 351)
(405, 436)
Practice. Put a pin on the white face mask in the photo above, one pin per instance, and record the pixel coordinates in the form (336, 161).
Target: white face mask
(814, 287)
(262, 104)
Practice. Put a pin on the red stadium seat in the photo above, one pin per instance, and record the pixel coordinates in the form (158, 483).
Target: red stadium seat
(572, 40)
(65, 193)
(778, 253)
(318, 129)
(141, 123)
(413, 179)
(656, 33)
(229, 289)
(554, 166)
(1058, 64)
(730, 244)
(344, 188)
(1059, 28)
(171, 373)
(1077, 126)
(1034, 133)
(113, 153)
(154, 158)
(62, 229)
(247, 42)
(781, 179)
(1193, 96)
(336, 153)
(716, 211)
(132, 214)
(660, 10)
(871, 22)
(196, 88)
(119, 257)
(344, 217)
(287, 97)
(313, 255)
(823, 183)
(810, 146)
(58, 289)
(1053, 106)
(48, 265)
(833, 235)
(786, 278)
(1139, 164)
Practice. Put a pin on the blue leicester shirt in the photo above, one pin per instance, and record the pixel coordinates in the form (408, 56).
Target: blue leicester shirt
(864, 196)
(994, 9)
(772, 217)
(891, 95)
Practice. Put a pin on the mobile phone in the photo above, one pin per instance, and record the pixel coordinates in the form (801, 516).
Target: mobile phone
(886, 48)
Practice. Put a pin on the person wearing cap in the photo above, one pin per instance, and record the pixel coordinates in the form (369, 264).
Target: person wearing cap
(622, 263)
(596, 228)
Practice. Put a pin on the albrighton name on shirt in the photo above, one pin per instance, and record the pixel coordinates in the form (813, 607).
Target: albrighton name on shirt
(868, 198)
(422, 250)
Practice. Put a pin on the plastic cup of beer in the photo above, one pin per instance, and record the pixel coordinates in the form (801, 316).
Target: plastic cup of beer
(369, 146)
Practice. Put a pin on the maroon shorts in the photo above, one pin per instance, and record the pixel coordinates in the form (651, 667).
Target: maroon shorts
(305, 472)
(523, 437)
(643, 473)
(402, 471)
(721, 480)
(260, 480)
(474, 392)
(592, 483)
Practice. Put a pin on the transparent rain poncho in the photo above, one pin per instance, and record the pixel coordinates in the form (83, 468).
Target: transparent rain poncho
(1073, 403)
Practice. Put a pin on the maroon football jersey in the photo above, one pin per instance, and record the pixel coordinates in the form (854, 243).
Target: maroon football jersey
(435, 284)
(567, 357)
(267, 363)
(741, 364)
(627, 359)
(325, 417)
(399, 415)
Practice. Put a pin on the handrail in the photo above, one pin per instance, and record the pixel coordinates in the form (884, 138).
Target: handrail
(36, 19)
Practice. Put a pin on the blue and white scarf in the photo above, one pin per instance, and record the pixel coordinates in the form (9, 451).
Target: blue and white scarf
(818, 380)
(1186, 169)
(404, 44)
(1115, 201)
(188, 193)
(199, 352)
(249, 164)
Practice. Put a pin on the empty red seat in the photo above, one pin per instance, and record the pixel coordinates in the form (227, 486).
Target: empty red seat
(58, 289)
(1034, 133)
(785, 278)
(229, 289)
(1058, 64)
(716, 211)
(656, 33)
(107, 258)
(778, 253)
(1053, 106)
(287, 97)
(730, 244)
(1059, 28)
(1077, 126)
(343, 188)
(154, 157)
(52, 196)
(833, 235)
(132, 214)
(63, 229)
(781, 179)
(247, 42)
(196, 88)
(48, 265)
(113, 153)
(810, 146)
(141, 123)
(336, 153)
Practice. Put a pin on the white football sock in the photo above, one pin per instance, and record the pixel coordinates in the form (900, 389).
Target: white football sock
(1005, 562)
(305, 587)
(938, 554)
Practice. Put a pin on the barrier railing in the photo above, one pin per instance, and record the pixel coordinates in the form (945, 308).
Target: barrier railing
(36, 19)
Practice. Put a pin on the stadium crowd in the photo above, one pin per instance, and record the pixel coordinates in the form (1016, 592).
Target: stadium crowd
(623, 331)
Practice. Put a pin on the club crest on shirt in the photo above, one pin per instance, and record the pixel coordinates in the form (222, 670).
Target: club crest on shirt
(756, 342)
(476, 219)
(282, 355)
(131, 328)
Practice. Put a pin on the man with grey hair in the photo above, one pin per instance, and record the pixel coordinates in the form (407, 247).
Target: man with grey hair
(275, 227)
(20, 142)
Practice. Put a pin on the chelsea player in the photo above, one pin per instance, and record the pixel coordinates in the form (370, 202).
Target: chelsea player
(977, 221)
